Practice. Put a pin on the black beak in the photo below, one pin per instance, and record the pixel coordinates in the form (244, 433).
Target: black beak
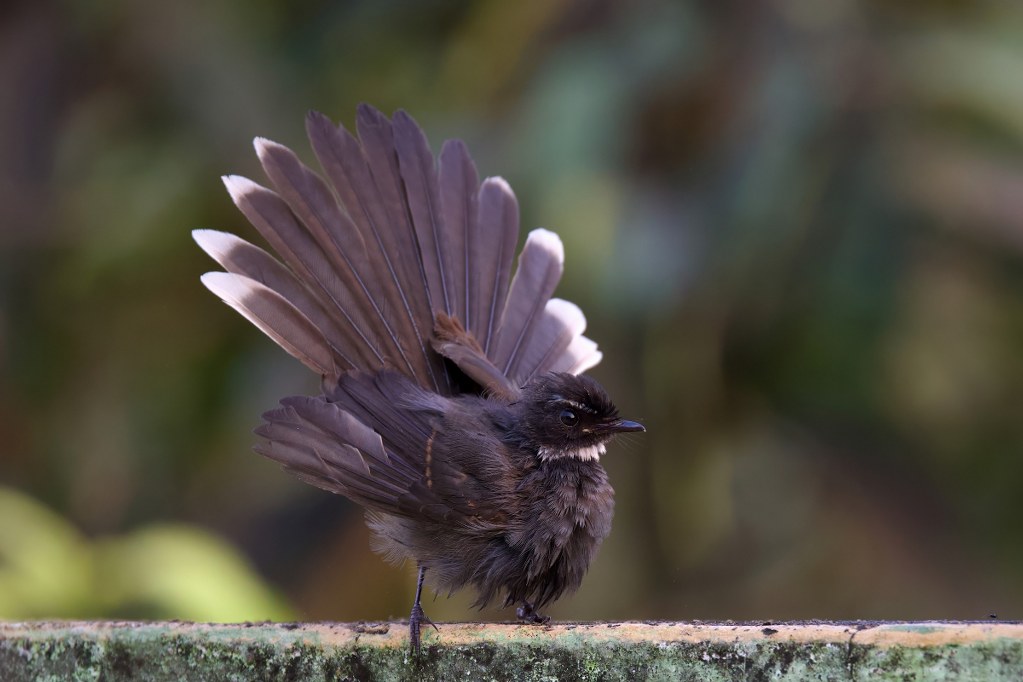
(623, 425)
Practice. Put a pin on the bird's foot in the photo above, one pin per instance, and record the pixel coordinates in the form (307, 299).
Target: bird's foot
(415, 621)
(527, 613)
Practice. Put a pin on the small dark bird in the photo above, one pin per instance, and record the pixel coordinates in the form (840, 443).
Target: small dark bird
(453, 406)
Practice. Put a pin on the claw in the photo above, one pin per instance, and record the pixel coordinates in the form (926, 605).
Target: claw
(415, 621)
(527, 613)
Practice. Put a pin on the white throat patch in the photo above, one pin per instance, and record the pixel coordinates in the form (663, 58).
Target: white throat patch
(586, 453)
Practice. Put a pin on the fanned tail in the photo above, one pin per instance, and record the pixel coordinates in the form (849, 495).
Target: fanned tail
(375, 258)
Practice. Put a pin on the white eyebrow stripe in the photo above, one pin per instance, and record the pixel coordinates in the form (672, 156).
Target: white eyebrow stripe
(578, 406)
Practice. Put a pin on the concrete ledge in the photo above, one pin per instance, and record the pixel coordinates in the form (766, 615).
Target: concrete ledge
(565, 651)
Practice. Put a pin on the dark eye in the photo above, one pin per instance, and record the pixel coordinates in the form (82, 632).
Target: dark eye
(568, 418)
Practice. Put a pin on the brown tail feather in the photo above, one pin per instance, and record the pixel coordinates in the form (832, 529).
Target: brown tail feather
(389, 244)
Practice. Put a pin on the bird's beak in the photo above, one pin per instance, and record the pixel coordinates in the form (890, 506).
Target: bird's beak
(623, 425)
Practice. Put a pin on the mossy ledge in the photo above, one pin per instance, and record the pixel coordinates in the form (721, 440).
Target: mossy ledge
(567, 651)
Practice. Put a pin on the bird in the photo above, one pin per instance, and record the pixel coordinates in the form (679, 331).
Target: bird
(454, 407)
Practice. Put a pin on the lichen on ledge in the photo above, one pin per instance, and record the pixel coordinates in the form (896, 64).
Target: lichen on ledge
(818, 650)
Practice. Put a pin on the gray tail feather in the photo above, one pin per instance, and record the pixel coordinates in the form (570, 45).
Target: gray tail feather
(390, 240)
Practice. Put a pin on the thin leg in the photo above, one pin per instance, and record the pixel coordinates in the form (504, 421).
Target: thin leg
(417, 617)
(527, 613)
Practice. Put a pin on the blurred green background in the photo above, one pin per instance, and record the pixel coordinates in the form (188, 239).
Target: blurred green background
(796, 228)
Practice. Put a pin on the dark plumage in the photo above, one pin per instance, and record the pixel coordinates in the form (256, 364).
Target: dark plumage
(452, 405)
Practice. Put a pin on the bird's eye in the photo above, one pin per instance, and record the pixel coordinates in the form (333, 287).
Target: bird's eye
(568, 418)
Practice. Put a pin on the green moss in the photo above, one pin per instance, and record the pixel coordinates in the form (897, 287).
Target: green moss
(592, 654)
(997, 659)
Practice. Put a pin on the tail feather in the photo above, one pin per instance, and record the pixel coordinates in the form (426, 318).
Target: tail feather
(389, 252)
(458, 184)
(559, 323)
(492, 250)
(419, 178)
(377, 136)
(277, 224)
(580, 355)
(540, 266)
(311, 200)
(242, 258)
(276, 317)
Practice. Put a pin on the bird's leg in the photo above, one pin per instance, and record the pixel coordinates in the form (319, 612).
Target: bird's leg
(527, 613)
(417, 617)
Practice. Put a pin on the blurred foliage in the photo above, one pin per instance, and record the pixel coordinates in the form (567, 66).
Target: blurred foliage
(796, 228)
(47, 568)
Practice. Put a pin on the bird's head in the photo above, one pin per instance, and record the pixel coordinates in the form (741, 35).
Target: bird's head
(567, 415)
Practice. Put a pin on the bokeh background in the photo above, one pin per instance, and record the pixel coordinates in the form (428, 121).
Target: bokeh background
(796, 228)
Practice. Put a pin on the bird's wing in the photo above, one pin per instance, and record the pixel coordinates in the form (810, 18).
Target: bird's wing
(378, 440)
(382, 249)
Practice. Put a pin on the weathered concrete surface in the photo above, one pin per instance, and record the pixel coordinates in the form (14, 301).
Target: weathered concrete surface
(580, 651)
